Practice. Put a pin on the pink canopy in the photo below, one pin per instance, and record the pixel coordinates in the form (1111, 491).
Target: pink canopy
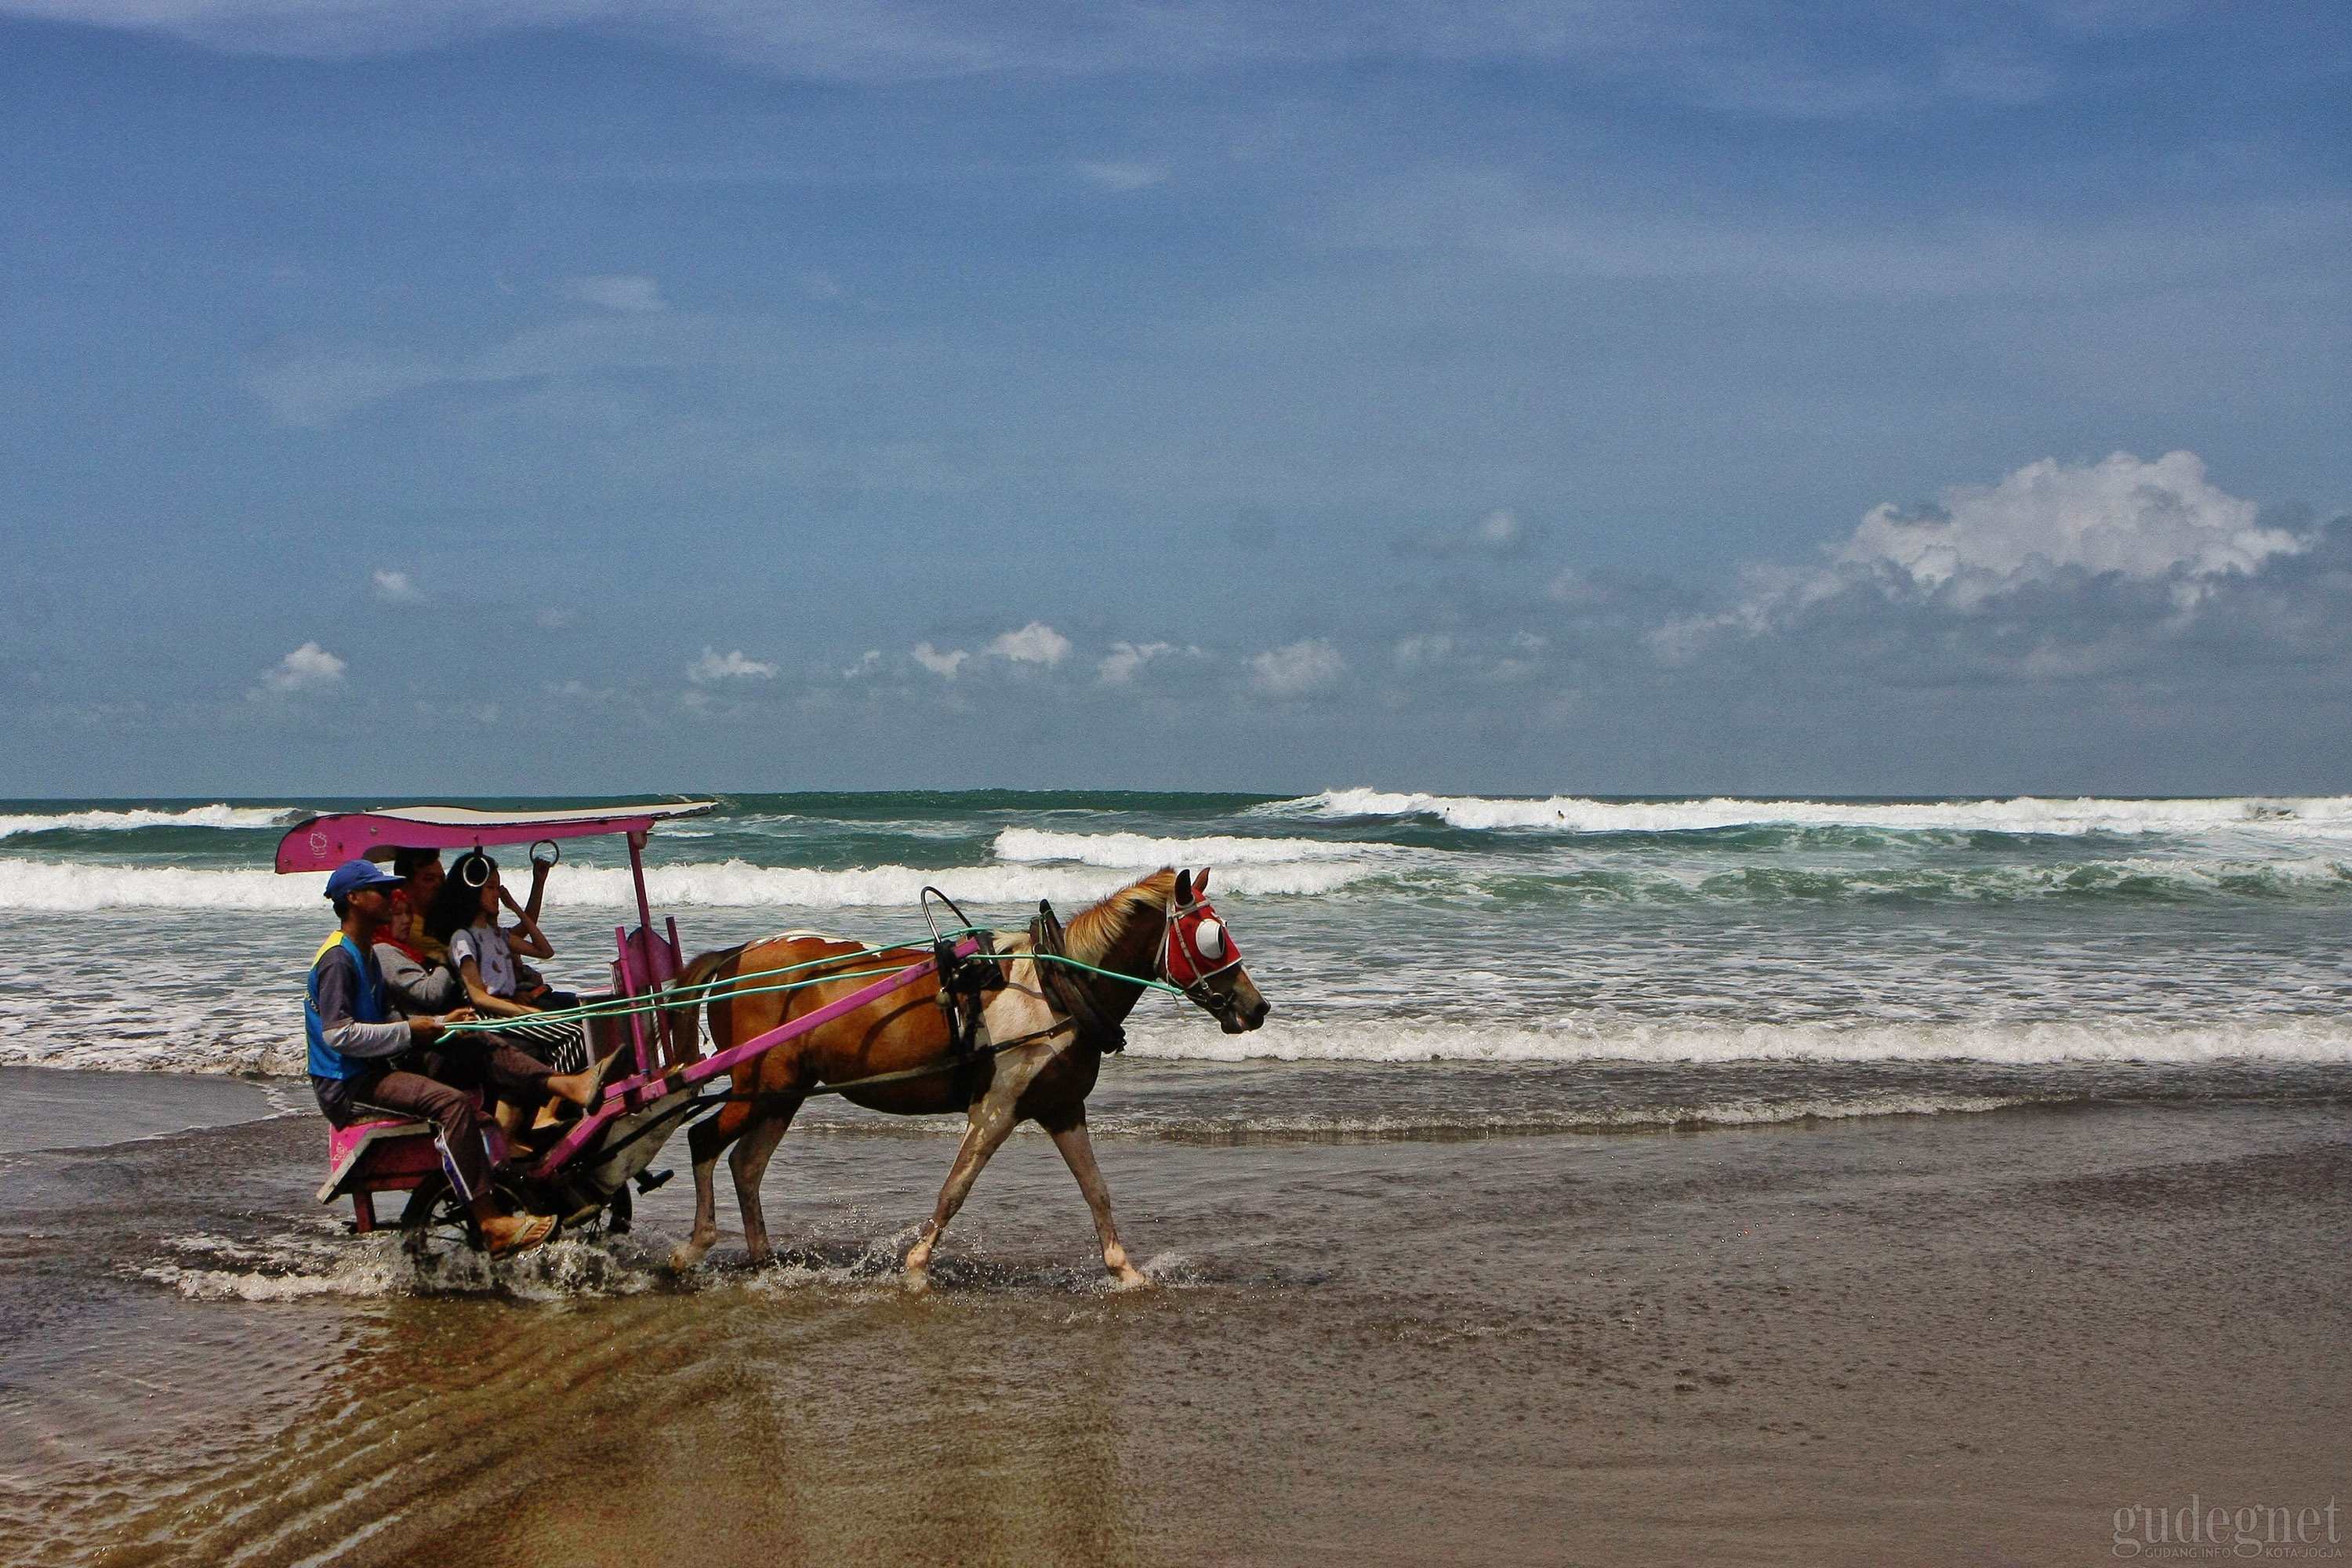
(324, 843)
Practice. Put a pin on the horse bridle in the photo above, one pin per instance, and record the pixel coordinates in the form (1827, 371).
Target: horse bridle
(1198, 948)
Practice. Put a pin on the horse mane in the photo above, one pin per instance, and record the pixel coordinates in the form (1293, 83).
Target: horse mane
(1092, 932)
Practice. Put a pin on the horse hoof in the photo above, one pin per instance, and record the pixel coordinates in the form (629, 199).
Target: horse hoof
(918, 1281)
(1130, 1279)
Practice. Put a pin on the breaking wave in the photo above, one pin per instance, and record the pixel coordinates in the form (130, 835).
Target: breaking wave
(1140, 852)
(2329, 816)
(236, 816)
(731, 884)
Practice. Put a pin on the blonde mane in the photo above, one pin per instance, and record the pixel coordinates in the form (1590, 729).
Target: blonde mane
(1090, 933)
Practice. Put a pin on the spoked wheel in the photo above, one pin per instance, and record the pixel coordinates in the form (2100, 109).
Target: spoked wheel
(437, 1221)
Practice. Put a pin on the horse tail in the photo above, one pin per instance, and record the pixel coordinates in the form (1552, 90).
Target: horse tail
(694, 983)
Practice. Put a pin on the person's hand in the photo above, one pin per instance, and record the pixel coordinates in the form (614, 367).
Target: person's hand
(508, 901)
(425, 1031)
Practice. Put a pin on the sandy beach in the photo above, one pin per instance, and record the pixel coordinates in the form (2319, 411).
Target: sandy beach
(1946, 1339)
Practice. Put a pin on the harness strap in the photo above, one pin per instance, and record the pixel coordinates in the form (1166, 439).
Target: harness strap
(1068, 992)
(964, 987)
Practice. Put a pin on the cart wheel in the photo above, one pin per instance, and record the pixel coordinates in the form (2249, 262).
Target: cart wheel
(437, 1222)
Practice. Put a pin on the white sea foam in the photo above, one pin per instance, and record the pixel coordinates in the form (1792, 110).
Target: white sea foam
(2303, 1042)
(1137, 851)
(2328, 816)
(1322, 1127)
(733, 884)
(238, 817)
(294, 1268)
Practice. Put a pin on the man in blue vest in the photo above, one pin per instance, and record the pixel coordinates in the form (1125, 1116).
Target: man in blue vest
(363, 1052)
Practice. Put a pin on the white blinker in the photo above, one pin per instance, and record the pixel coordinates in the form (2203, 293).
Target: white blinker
(1209, 938)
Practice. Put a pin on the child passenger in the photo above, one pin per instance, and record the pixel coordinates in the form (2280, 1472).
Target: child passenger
(465, 914)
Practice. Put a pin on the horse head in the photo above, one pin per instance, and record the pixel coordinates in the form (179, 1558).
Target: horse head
(1198, 954)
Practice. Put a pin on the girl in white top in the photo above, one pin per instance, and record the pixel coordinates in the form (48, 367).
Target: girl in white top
(465, 914)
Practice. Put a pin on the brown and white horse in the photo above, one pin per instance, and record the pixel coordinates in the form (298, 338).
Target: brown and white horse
(1160, 927)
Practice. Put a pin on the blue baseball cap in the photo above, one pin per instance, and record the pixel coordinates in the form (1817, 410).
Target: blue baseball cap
(352, 875)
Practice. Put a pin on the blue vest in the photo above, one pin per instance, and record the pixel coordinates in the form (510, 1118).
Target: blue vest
(367, 1008)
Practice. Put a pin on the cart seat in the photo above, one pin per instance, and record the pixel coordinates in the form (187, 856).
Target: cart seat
(387, 1152)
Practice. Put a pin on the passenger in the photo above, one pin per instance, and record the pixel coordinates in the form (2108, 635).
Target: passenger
(416, 973)
(465, 915)
(421, 876)
(363, 1055)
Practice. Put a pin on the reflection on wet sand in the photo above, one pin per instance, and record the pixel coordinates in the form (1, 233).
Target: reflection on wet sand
(680, 1427)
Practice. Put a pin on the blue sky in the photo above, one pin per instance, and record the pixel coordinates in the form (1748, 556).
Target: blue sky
(567, 396)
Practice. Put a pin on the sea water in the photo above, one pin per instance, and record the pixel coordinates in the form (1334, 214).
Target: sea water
(1440, 966)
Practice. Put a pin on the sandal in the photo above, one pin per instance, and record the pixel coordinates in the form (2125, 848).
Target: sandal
(597, 1074)
(536, 1230)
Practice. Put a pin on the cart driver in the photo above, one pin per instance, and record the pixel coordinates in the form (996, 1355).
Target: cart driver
(364, 1054)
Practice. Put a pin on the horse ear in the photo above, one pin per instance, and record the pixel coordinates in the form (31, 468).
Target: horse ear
(1183, 887)
(1201, 884)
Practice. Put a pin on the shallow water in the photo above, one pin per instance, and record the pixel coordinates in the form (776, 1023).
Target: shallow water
(1966, 1337)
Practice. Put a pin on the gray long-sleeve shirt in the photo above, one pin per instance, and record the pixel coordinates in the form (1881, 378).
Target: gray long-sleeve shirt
(338, 982)
(415, 991)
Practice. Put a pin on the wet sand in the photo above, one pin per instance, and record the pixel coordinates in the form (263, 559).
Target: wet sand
(1950, 1339)
(46, 1107)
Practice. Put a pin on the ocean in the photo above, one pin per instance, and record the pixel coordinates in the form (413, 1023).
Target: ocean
(1440, 965)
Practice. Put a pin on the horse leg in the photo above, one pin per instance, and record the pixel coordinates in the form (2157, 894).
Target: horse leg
(749, 1165)
(990, 1123)
(1069, 1134)
(706, 1141)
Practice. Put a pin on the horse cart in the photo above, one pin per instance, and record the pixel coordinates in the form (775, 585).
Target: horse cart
(761, 997)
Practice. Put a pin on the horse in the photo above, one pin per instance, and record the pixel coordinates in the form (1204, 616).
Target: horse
(1052, 1023)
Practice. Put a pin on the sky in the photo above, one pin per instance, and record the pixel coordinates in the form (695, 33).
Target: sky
(556, 397)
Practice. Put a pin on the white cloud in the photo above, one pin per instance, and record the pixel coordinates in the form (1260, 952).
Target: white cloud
(308, 668)
(1296, 669)
(620, 291)
(1036, 642)
(317, 391)
(1412, 653)
(713, 666)
(1122, 176)
(394, 588)
(2143, 520)
(940, 664)
(1499, 531)
(1119, 667)
(867, 663)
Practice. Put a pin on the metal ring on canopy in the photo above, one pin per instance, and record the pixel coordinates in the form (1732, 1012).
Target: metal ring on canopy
(554, 852)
